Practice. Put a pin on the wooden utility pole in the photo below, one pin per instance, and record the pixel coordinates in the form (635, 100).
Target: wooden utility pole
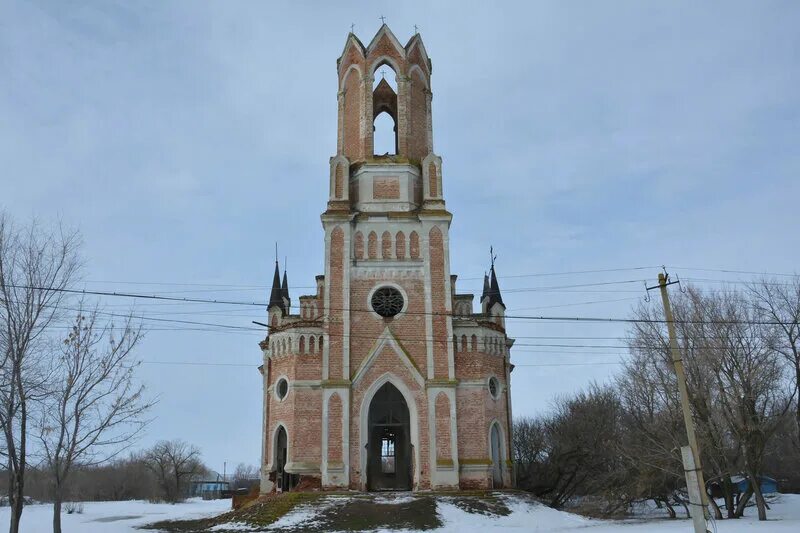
(695, 484)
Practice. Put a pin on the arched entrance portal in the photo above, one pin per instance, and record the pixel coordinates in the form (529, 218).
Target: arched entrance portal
(497, 458)
(389, 442)
(284, 480)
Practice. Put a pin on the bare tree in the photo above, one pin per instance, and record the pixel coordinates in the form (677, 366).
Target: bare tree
(173, 462)
(780, 303)
(95, 408)
(750, 382)
(244, 475)
(35, 267)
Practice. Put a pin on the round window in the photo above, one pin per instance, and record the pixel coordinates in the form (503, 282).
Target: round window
(282, 388)
(494, 387)
(387, 302)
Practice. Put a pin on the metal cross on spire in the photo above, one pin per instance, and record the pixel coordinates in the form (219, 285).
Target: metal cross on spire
(492, 255)
(383, 19)
(416, 29)
(352, 27)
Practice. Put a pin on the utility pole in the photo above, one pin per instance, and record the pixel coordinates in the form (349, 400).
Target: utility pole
(695, 484)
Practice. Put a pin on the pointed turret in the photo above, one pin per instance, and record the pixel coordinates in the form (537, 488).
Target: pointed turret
(276, 295)
(494, 290)
(287, 302)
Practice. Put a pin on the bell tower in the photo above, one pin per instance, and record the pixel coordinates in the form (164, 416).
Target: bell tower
(409, 178)
(385, 378)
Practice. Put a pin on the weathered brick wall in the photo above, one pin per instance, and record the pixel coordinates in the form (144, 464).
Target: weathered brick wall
(335, 429)
(306, 438)
(352, 145)
(335, 313)
(418, 138)
(443, 427)
(439, 318)
(366, 327)
(472, 426)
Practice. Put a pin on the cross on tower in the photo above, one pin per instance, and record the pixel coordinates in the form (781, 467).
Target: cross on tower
(383, 19)
(352, 27)
(416, 28)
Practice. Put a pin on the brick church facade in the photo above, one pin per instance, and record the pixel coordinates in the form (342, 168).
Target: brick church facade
(386, 378)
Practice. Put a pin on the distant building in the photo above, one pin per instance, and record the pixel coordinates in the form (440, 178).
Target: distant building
(209, 490)
(386, 378)
(767, 484)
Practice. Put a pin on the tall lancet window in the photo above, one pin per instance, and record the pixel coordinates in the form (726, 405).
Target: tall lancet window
(384, 107)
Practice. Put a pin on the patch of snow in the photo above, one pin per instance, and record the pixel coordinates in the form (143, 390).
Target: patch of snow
(234, 526)
(113, 517)
(307, 514)
(394, 500)
(526, 515)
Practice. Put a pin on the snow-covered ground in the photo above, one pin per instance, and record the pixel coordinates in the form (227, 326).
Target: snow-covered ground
(123, 517)
(113, 517)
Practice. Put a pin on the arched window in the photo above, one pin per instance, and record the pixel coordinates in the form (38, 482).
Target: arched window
(359, 245)
(414, 245)
(302, 344)
(400, 245)
(463, 343)
(311, 344)
(320, 345)
(384, 111)
(386, 245)
(474, 342)
(385, 137)
(372, 245)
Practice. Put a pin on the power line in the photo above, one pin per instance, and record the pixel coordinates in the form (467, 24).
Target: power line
(573, 319)
(254, 365)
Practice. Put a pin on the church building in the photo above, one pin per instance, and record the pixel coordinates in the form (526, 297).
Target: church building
(386, 378)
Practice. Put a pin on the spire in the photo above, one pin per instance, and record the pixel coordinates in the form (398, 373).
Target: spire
(494, 290)
(285, 290)
(275, 296)
(485, 293)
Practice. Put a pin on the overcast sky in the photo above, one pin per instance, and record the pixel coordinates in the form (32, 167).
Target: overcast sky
(184, 138)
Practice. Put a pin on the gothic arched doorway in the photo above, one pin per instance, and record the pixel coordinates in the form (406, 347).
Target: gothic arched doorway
(284, 480)
(389, 442)
(497, 458)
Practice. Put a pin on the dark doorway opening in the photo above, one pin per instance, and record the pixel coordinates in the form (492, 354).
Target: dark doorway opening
(283, 479)
(497, 459)
(389, 443)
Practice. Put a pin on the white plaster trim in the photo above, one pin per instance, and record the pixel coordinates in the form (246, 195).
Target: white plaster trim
(444, 476)
(489, 379)
(352, 41)
(306, 384)
(327, 478)
(327, 304)
(424, 249)
(364, 424)
(275, 388)
(273, 451)
(353, 66)
(401, 51)
(387, 339)
(422, 73)
(503, 451)
(346, 231)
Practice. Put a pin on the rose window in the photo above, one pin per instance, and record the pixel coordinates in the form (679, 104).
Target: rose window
(387, 302)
